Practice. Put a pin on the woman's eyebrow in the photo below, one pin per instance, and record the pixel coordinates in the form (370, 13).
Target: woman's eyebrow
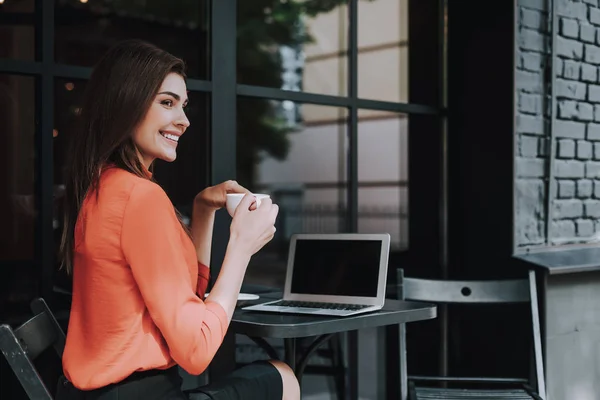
(175, 95)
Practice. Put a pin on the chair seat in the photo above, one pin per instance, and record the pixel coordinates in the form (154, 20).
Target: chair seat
(423, 393)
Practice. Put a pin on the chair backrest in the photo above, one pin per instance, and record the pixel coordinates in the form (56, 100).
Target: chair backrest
(482, 292)
(24, 344)
(444, 291)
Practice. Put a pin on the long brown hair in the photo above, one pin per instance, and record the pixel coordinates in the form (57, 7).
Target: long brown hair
(119, 93)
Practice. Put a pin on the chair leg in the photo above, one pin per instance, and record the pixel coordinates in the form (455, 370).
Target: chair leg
(412, 391)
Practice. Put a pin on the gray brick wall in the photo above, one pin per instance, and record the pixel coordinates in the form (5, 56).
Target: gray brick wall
(575, 202)
(531, 144)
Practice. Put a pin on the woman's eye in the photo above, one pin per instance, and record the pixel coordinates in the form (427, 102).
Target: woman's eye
(168, 103)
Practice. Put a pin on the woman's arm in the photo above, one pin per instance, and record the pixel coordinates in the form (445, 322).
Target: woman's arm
(151, 243)
(203, 220)
(206, 203)
(249, 232)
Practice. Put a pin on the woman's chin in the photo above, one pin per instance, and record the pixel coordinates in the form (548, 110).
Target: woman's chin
(168, 157)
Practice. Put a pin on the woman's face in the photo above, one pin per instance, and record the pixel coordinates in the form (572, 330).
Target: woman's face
(164, 123)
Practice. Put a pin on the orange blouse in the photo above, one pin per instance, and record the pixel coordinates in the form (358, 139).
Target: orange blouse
(137, 288)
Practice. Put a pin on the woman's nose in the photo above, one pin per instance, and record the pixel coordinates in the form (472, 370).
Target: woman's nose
(183, 120)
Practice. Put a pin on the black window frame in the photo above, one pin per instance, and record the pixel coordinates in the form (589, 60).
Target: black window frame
(223, 90)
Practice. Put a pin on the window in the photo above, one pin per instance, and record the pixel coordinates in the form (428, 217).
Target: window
(85, 31)
(17, 30)
(18, 207)
(301, 162)
(383, 175)
(309, 101)
(290, 46)
(17, 154)
(383, 52)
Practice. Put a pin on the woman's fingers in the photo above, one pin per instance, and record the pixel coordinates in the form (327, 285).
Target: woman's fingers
(247, 201)
(234, 187)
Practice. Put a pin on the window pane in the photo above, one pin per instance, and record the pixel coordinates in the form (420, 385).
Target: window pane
(297, 154)
(68, 97)
(383, 185)
(18, 277)
(17, 32)
(293, 45)
(383, 50)
(17, 155)
(84, 31)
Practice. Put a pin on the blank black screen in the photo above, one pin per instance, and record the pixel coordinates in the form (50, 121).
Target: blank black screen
(336, 267)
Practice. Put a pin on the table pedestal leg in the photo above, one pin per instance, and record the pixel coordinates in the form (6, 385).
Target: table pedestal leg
(352, 365)
(290, 352)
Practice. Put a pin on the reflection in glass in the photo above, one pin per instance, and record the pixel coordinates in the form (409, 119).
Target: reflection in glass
(17, 153)
(84, 31)
(18, 281)
(68, 97)
(293, 45)
(297, 154)
(383, 184)
(68, 94)
(17, 32)
(383, 50)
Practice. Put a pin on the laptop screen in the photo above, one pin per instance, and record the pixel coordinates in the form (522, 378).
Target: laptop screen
(336, 267)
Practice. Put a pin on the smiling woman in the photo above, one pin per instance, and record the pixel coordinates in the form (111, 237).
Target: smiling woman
(139, 274)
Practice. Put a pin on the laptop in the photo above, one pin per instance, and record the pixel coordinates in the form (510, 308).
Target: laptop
(333, 274)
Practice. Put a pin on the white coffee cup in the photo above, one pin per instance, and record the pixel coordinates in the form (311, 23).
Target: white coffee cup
(233, 200)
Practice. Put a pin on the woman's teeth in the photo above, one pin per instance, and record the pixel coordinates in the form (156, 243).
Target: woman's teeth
(174, 138)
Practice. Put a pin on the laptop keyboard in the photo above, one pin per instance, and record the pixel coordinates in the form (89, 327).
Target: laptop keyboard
(326, 306)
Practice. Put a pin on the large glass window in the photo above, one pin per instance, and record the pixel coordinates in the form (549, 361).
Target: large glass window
(383, 175)
(383, 52)
(293, 45)
(297, 153)
(19, 278)
(17, 173)
(320, 107)
(17, 29)
(85, 30)
(68, 98)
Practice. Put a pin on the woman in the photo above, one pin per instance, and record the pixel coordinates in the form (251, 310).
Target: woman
(139, 276)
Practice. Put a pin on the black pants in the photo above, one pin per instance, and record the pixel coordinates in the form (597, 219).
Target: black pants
(259, 380)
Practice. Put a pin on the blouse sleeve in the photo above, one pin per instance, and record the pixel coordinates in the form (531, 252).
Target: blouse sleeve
(150, 239)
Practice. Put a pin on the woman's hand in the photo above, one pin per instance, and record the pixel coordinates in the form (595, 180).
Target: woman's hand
(251, 227)
(215, 197)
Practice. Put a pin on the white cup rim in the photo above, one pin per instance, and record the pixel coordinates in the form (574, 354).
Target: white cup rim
(243, 194)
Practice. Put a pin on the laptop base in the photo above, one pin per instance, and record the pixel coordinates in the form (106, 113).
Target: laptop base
(271, 307)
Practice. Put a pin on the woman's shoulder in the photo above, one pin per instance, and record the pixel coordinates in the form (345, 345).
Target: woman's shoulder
(117, 183)
(119, 179)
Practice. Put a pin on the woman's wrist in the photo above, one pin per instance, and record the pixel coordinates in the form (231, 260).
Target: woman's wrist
(236, 252)
(202, 210)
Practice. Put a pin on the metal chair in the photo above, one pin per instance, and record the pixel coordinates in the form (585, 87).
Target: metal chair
(24, 344)
(478, 292)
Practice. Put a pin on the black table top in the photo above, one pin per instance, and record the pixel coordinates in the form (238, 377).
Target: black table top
(279, 325)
